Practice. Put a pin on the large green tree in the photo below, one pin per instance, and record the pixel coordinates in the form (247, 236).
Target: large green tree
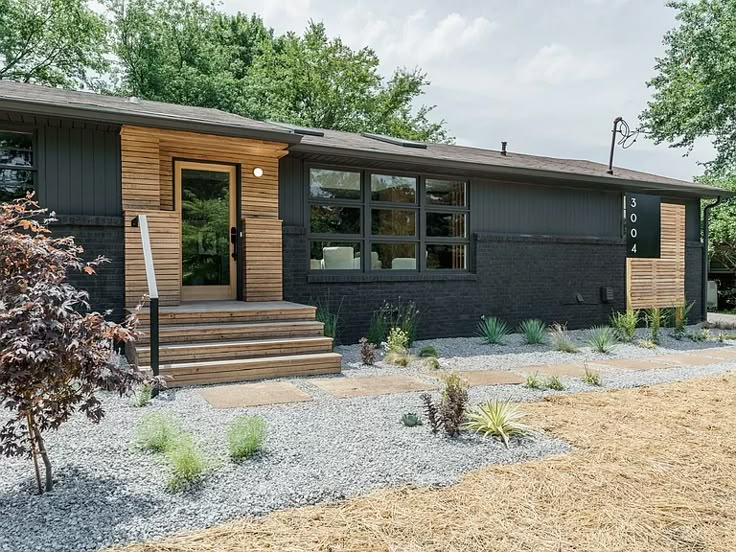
(54, 42)
(695, 85)
(188, 52)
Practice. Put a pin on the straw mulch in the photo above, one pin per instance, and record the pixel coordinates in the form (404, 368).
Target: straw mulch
(654, 469)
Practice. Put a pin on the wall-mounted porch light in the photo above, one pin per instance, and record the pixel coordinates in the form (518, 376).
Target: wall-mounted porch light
(258, 172)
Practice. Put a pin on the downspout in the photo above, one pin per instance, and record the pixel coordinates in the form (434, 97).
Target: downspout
(706, 260)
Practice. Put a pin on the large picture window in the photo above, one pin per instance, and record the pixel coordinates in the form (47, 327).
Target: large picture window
(372, 222)
(17, 168)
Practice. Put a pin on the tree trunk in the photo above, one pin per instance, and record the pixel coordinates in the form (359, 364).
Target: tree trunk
(45, 457)
(32, 437)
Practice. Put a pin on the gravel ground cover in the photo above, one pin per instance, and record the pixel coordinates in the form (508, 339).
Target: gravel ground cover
(107, 492)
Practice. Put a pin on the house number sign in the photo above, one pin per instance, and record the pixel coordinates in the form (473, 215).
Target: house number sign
(643, 226)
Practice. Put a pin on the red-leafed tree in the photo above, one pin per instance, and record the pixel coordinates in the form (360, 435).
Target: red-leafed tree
(54, 353)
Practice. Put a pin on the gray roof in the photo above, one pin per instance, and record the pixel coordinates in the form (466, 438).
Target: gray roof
(44, 100)
(456, 158)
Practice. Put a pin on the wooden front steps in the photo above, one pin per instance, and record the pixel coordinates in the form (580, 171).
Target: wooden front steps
(229, 341)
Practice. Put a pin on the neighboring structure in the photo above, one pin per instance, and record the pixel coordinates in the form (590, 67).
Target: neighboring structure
(245, 214)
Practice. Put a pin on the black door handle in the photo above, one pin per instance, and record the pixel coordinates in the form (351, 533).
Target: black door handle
(234, 241)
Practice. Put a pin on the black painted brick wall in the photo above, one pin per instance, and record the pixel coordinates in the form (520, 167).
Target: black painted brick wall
(98, 236)
(515, 277)
(694, 280)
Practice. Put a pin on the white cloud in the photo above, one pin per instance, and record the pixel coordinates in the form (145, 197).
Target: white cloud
(557, 64)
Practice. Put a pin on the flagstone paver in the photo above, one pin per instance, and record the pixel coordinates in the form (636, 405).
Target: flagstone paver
(720, 353)
(490, 377)
(344, 388)
(654, 363)
(689, 359)
(253, 394)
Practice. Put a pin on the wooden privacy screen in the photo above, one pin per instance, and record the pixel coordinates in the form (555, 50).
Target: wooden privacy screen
(660, 282)
(147, 180)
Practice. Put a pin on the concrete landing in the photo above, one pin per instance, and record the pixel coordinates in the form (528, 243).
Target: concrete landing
(345, 388)
(253, 394)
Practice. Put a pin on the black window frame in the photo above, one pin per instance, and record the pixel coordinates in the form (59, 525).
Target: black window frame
(33, 169)
(366, 239)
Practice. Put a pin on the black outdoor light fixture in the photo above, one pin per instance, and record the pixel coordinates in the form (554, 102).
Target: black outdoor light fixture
(626, 140)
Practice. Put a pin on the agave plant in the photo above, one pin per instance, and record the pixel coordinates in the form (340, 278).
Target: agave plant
(497, 419)
(493, 330)
(533, 331)
(411, 419)
(602, 339)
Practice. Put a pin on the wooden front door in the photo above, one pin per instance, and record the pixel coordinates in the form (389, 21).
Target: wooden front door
(205, 201)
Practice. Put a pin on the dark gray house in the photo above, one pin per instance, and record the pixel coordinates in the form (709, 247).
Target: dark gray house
(252, 222)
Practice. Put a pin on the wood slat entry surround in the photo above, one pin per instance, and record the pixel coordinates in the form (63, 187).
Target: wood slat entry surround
(660, 282)
(147, 159)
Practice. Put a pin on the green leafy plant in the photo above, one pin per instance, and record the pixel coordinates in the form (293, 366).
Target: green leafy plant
(157, 431)
(452, 406)
(654, 319)
(378, 329)
(329, 315)
(533, 331)
(493, 330)
(428, 351)
(402, 315)
(680, 315)
(561, 340)
(533, 381)
(411, 419)
(367, 352)
(591, 377)
(432, 363)
(187, 463)
(431, 412)
(142, 396)
(397, 341)
(245, 436)
(398, 358)
(602, 339)
(624, 323)
(554, 382)
(497, 418)
(703, 334)
(647, 344)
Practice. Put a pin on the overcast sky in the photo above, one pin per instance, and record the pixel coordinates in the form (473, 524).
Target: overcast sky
(548, 76)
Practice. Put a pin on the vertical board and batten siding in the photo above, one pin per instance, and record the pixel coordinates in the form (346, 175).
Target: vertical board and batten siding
(661, 282)
(78, 163)
(148, 164)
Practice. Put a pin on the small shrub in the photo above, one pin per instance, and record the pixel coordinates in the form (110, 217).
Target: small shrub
(245, 436)
(591, 377)
(533, 381)
(398, 358)
(555, 383)
(187, 463)
(403, 315)
(703, 334)
(397, 341)
(411, 419)
(680, 318)
(654, 319)
(624, 324)
(428, 351)
(492, 330)
(142, 396)
(533, 331)
(602, 339)
(367, 352)
(431, 412)
(157, 431)
(561, 340)
(497, 419)
(452, 407)
(647, 344)
(432, 363)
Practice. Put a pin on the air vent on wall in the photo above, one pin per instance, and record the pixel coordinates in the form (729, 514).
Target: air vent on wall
(395, 141)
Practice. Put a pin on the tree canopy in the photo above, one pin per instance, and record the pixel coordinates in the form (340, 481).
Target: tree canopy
(695, 85)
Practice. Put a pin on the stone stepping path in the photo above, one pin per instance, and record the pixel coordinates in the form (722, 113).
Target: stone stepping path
(561, 370)
(253, 394)
(344, 388)
(637, 363)
(490, 377)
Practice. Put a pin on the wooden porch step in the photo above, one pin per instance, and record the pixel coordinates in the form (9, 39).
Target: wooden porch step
(234, 331)
(224, 371)
(215, 313)
(223, 350)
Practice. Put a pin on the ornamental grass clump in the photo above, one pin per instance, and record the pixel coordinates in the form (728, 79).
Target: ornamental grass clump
(554, 383)
(157, 431)
(533, 331)
(654, 320)
(245, 436)
(498, 419)
(187, 463)
(403, 315)
(533, 381)
(624, 324)
(142, 396)
(54, 353)
(591, 377)
(492, 330)
(602, 339)
(561, 340)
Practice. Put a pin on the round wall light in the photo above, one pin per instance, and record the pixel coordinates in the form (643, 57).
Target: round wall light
(258, 172)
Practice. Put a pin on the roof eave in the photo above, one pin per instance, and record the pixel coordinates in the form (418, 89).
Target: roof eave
(684, 190)
(103, 115)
